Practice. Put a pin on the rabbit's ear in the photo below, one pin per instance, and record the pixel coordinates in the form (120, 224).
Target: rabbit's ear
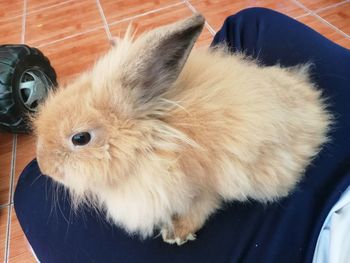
(159, 56)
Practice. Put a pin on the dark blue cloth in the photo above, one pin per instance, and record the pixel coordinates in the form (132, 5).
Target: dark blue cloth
(286, 231)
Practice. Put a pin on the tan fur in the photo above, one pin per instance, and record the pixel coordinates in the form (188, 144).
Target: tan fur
(226, 129)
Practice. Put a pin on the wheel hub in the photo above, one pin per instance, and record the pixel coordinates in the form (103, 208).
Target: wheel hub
(33, 87)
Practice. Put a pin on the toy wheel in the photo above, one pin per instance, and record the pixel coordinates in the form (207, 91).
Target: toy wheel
(26, 77)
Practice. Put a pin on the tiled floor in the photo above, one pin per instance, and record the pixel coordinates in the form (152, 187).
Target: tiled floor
(74, 33)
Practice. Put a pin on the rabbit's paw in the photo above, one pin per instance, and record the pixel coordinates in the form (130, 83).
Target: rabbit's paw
(172, 237)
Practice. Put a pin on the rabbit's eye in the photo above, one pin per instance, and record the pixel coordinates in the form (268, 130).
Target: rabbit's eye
(81, 138)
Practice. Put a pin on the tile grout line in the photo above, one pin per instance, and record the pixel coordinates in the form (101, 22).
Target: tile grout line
(8, 206)
(13, 171)
(324, 21)
(307, 10)
(303, 15)
(50, 6)
(330, 6)
(310, 12)
(33, 253)
(5, 205)
(37, 10)
(145, 13)
(24, 18)
(209, 27)
(113, 23)
(7, 234)
(13, 158)
(332, 26)
(9, 212)
(104, 19)
(194, 10)
(70, 36)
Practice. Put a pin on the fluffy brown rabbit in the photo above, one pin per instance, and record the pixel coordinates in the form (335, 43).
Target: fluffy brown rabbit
(160, 136)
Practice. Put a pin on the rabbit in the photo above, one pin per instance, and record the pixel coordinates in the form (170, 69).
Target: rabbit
(159, 136)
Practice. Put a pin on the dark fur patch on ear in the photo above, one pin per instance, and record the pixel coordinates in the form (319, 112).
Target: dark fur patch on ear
(162, 59)
(168, 63)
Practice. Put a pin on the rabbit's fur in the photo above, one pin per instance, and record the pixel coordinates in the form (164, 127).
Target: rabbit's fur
(171, 140)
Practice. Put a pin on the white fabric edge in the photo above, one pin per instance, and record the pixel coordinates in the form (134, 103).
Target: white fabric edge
(333, 243)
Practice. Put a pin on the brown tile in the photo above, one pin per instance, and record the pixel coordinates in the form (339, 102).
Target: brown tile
(338, 16)
(34, 5)
(344, 42)
(153, 20)
(116, 10)
(19, 246)
(317, 4)
(11, 30)
(325, 30)
(6, 141)
(56, 23)
(25, 152)
(216, 11)
(74, 55)
(9, 9)
(204, 39)
(160, 18)
(3, 226)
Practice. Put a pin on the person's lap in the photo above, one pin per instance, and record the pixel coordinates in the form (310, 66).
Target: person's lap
(284, 231)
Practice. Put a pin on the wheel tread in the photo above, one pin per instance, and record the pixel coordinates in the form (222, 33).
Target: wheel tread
(10, 56)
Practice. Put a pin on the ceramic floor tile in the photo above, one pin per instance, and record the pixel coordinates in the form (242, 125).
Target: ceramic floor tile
(115, 10)
(56, 23)
(204, 39)
(6, 140)
(325, 30)
(74, 55)
(25, 152)
(160, 18)
(11, 31)
(9, 9)
(19, 247)
(3, 226)
(215, 11)
(153, 20)
(338, 16)
(33, 5)
(344, 42)
(317, 4)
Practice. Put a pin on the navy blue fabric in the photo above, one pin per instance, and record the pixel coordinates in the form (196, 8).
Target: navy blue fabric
(285, 231)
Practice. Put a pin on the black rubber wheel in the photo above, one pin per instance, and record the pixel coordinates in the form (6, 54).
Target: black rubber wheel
(25, 79)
